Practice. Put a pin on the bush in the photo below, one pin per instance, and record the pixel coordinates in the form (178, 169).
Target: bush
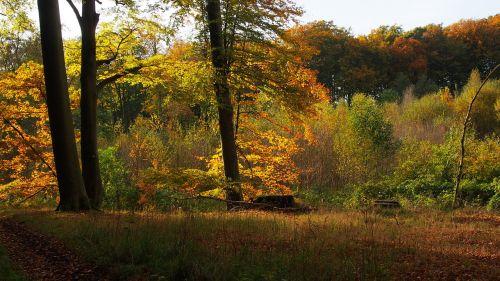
(364, 194)
(119, 192)
(324, 198)
(172, 200)
(427, 186)
(368, 121)
(475, 193)
(494, 204)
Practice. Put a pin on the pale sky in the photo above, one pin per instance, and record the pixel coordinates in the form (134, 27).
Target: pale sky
(364, 15)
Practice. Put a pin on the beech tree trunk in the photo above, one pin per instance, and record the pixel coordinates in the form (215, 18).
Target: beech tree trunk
(225, 106)
(71, 189)
(88, 105)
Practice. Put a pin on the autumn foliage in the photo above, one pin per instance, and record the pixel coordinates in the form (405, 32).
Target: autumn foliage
(317, 111)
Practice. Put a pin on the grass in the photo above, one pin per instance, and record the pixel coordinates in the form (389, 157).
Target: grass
(262, 246)
(7, 273)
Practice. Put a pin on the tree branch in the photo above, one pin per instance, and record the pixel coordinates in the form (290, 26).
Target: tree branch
(115, 54)
(75, 10)
(111, 79)
(39, 154)
(35, 193)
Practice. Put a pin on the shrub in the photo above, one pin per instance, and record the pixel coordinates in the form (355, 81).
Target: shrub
(368, 121)
(119, 192)
(365, 193)
(475, 193)
(484, 112)
(494, 204)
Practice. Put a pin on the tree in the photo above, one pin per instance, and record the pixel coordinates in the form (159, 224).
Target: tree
(19, 37)
(448, 61)
(346, 64)
(252, 57)
(482, 39)
(224, 103)
(88, 21)
(71, 189)
(456, 199)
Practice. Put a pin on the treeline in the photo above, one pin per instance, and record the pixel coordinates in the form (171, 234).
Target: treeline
(308, 110)
(388, 60)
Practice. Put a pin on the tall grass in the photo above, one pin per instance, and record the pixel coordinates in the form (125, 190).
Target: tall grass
(258, 246)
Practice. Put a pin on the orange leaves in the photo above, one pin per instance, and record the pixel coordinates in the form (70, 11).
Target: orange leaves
(24, 124)
(411, 55)
(479, 34)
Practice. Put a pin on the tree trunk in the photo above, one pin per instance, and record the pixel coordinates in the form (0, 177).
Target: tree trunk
(71, 189)
(224, 103)
(88, 105)
(457, 200)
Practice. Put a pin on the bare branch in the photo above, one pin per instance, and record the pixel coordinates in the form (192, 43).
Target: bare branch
(75, 10)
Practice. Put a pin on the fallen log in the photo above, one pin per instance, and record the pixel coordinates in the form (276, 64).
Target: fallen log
(387, 204)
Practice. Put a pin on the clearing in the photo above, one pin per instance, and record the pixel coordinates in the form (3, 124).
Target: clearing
(393, 245)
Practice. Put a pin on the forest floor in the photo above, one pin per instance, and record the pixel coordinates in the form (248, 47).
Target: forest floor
(41, 257)
(394, 245)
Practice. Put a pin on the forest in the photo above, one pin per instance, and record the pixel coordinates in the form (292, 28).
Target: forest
(227, 140)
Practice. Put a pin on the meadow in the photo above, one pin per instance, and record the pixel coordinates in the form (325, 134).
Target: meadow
(329, 245)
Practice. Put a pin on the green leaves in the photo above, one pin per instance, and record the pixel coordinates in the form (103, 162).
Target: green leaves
(369, 122)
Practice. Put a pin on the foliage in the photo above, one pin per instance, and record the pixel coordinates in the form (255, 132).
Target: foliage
(25, 133)
(19, 38)
(119, 193)
(494, 204)
(319, 112)
(369, 123)
(484, 116)
(428, 57)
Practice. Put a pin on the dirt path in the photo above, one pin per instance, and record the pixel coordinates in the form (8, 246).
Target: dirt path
(43, 258)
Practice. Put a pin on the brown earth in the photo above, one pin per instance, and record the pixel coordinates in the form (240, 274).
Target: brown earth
(42, 257)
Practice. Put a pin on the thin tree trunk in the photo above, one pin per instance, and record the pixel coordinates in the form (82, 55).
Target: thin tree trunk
(71, 189)
(225, 107)
(88, 105)
(456, 199)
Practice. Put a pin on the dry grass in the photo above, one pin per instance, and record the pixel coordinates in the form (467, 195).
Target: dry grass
(427, 245)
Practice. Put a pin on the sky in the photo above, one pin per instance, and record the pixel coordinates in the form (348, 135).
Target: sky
(364, 15)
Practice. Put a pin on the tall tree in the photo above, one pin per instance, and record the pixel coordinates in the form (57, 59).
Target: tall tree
(224, 104)
(88, 101)
(88, 105)
(72, 192)
(241, 35)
